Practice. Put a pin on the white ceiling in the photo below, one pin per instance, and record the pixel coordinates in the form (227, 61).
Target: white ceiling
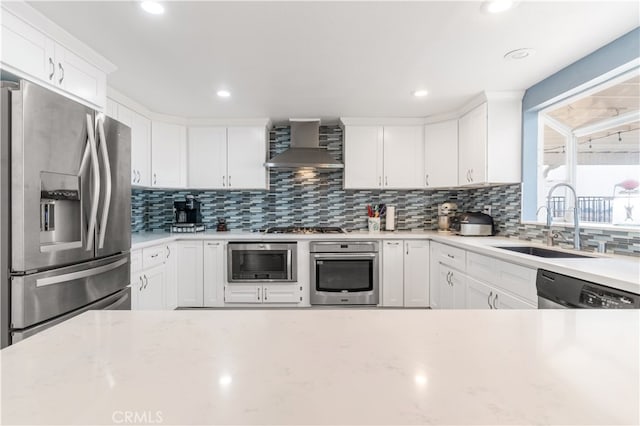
(332, 59)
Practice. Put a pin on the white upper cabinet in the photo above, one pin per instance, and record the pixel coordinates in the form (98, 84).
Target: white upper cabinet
(207, 157)
(168, 155)
(383, 157)
(31, 53)
(246, 155)
(403, 157)
(140, 141)
(441, 154)
(490, 141)
(227, 157)
(363, 150)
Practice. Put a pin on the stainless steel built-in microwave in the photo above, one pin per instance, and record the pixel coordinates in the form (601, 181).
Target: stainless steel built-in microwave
(249, 262)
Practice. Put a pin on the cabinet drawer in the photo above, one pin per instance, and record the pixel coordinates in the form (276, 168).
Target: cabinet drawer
(153, 256)
(136, 261)
(451, 256)
(481, 267)
(517, 279)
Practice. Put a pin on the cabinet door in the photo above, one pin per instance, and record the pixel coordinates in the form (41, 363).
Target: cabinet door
(207, 157)
(141, 149)
(242, 293)
(137, 283)
(168, 155)
(459, 289)
(190, 274)
(151, 296)
(445, 289)
(392, 274)
(246, 155)
(434, 276)
(505, 301)
(473, 147)
(281, 293)
(27, 49)
(213, 278)
(171, 276)
(416, 274)
(403, 155)
(363, 153)
(479, 295)
(441, 154)
(80, 78)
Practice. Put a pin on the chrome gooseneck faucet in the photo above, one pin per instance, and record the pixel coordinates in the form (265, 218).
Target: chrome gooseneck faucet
(576, 218)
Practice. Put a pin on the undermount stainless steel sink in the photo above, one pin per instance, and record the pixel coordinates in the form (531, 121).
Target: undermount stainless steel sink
(543, 252)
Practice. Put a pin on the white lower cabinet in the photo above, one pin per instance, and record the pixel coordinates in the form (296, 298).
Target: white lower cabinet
(451, 288)
(482, 296)
(416, 274)
(392, 274)
(405, 274)
(280, 293)
(190, 273)
(213, 274)
(153, 278)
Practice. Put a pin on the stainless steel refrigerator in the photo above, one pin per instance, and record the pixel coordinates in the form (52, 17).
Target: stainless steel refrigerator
(65, 221)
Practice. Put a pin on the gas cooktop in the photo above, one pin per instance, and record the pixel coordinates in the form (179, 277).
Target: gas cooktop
(305, 230)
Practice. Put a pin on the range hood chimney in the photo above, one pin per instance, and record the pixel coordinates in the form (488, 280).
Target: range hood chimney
(305, 148)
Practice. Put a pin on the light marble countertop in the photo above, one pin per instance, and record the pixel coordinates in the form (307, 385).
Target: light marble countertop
(622, 272)
(328, 366)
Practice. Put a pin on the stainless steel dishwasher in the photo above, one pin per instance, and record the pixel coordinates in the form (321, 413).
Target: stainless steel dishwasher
(562, 291)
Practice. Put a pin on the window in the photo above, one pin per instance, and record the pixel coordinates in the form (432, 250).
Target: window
(592, 142)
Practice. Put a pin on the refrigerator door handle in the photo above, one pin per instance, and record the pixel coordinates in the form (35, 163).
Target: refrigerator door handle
(56, 279)
(95, 194)
(107, 177)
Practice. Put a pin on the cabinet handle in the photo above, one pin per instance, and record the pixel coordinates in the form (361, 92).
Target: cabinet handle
(471, 175)
(138, 173)
(379, 180)
(495, 299)
(389, 243)
(213, 244)
(386, 181)
(258, 292)
(141, 283)
(61, 73)
(146, 281)
(264, 296)
(451, 279)
(53, 69)
(426, 180)
(407, 248)
(229, 181)
(153, 256)
(223, 183)
(154, 179)
(468, 175)
(168, 252)
(450, 256)
(489, 300)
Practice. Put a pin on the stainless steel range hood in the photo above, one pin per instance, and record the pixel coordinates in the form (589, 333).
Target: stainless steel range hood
(305, 149)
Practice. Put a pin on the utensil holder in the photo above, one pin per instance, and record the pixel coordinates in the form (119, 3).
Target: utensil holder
(374, 224)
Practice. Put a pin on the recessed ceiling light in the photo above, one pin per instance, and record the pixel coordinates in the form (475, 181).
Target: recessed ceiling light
(223, 93)
(420, 93)
(519, 53)
(152, 7)
(497, 6)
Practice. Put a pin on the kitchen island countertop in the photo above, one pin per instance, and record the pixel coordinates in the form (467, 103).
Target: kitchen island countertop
(328, 366)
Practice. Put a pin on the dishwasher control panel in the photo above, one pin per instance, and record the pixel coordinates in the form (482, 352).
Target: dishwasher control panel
(597, 297)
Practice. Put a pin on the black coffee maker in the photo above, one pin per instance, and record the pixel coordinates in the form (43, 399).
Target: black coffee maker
(187, 216)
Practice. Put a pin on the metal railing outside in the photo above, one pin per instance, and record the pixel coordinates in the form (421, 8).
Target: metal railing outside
(590, 209)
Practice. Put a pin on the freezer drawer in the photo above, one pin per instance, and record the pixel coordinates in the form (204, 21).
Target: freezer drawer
(119, 301)
(40, 297)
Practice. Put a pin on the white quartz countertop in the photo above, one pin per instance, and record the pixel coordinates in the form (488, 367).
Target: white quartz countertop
(328, 366)
(622, 272)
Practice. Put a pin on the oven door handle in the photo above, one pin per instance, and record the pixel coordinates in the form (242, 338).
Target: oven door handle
(340, 256)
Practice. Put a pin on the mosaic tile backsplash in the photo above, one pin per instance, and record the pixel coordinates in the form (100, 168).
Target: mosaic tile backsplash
(316, 198)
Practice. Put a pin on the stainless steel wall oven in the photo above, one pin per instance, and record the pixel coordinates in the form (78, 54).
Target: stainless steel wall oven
(344, 273)
(249, 262)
